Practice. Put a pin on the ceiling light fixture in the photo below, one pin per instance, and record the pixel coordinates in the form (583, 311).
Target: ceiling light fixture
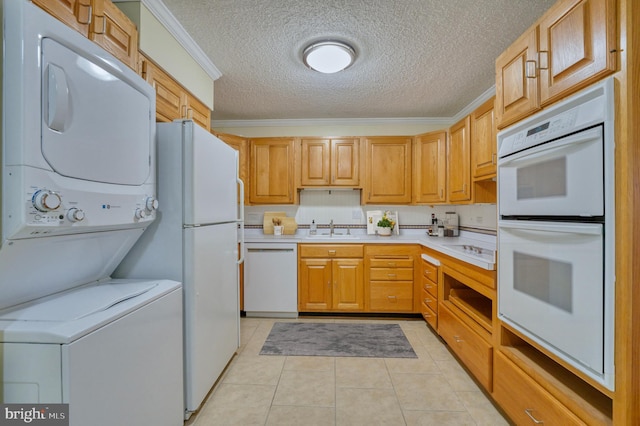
(329, 56)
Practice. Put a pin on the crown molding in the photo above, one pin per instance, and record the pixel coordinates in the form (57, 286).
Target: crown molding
(444, 121)
(491, 91)
(166, 18)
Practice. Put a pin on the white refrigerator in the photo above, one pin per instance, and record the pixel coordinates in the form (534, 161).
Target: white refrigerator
(195, 240)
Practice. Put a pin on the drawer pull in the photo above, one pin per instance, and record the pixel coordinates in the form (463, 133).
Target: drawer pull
(427, 301)
(391, 275)
(528, 413)
(427, 272)
(428, 286)
(392, 264)
(392, 298)
(426, 314)
(332, 252)
(458, 339)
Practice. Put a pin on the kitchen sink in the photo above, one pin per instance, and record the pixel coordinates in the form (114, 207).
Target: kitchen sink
(335, 236)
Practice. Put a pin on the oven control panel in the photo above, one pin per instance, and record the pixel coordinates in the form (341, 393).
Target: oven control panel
(588, 109)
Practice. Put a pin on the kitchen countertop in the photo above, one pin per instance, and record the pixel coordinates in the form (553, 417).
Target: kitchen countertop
(471, 247)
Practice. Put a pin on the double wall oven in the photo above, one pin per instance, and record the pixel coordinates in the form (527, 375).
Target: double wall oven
(556, 230)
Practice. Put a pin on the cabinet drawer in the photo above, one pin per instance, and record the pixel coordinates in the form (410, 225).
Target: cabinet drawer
(430, 317)
(427, 299)
(391, 296)
(391, 274)
(430, 271)
(430, 287)
(391, 263)
(472, 350)
(525, 401)
(326, 250)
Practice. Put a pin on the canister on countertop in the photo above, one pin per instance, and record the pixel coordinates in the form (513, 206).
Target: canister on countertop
(451, 224)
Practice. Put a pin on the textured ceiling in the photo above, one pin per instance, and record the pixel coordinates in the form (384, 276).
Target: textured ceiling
(416, 58)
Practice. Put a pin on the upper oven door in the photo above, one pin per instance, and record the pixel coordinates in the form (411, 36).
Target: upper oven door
(563, 177)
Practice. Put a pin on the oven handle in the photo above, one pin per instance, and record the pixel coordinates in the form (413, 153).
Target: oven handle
(554, 227)
(547, 149)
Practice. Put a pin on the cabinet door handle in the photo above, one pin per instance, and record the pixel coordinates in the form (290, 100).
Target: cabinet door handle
(392, 298)
(89, 14)
(530, 69)
(427, 314)
(494, 157)
(528, 413)
(332, 252)
(458, 339)
(189, 113)
(543, 60)
(441, 192)
(104, 25)
(427, 301)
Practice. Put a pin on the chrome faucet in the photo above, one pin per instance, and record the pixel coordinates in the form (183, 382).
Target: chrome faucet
(331, 227)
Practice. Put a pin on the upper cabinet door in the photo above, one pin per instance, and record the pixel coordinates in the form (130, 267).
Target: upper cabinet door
(483, 141)
(459, 152)
(577, 46)
(388, 170)
(516, 80)
(115, 32)
(316, 156)
(430, 164)
(74, 13)
(345, 162)
(271, 171)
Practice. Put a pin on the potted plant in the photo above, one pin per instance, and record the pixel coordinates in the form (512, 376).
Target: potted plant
(385, 225)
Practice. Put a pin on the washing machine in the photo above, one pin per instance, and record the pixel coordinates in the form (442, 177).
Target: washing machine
(78, 190)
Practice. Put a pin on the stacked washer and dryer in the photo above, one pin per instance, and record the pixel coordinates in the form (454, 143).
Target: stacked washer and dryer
(78, 190)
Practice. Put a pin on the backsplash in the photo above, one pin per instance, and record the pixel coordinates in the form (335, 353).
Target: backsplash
(343, 207)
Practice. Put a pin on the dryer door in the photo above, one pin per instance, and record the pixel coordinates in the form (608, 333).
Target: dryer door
(93, 119)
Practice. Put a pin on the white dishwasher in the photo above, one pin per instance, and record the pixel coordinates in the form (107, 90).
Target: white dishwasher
(271, 280)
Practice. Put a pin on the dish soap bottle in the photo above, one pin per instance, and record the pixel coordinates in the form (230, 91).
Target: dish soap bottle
(313, 228)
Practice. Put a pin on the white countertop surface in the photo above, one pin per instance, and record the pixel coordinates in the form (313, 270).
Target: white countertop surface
(451, 246)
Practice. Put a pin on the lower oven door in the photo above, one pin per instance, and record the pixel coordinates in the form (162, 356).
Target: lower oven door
(551, 287)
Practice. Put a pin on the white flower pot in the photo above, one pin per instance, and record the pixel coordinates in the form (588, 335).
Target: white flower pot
(384, 231)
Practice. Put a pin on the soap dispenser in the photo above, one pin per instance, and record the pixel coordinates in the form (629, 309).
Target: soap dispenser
(313, 228)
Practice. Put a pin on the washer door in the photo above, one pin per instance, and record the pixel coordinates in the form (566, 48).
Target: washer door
(93, 120)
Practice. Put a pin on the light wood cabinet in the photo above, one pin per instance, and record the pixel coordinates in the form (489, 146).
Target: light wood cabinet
(74, 13)
(429, 292)
(577, 46)
(113, 30)
(475, 352)
(330, 162)
(100, 21)
(516, 80)
(430, 168)
(459, 162)
(172, 100)
(390, 283)
(271, 170)
(241, 145)
(525, 401)
(484, 144)
(387, 170)
(330, 278)
(572, 46)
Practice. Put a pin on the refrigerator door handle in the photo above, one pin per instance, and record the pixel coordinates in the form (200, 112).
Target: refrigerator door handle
(241, 213)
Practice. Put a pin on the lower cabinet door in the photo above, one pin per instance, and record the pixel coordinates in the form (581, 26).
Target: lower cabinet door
(473, 350)
(526, 402)
(391, 296)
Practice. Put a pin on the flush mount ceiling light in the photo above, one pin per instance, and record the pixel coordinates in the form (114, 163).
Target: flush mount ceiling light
(328, 56)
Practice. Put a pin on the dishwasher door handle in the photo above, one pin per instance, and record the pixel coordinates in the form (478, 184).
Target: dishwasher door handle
(257, 250)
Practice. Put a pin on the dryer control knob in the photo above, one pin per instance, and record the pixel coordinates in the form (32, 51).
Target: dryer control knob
(140, 214)
(151, 204)
(75, 215)
(45, 200)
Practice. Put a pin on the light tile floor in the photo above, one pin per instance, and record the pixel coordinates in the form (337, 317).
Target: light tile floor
(289, 390)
